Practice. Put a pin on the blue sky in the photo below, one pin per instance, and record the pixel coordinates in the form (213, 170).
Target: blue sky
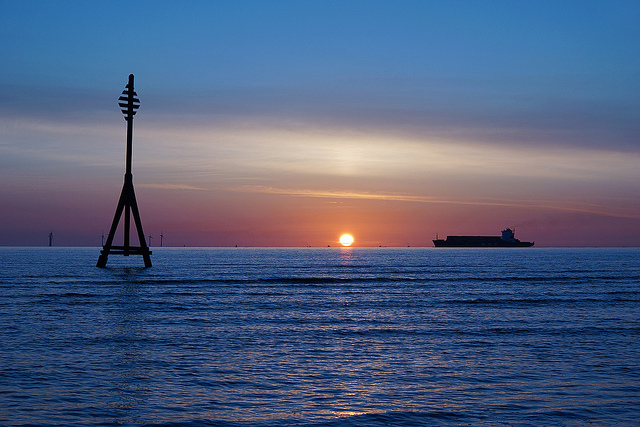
(396, 112)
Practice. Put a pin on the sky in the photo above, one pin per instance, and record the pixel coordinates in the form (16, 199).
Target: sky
(289, 123)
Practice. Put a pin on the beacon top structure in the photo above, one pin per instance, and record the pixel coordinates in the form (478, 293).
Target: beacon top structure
(129, 103)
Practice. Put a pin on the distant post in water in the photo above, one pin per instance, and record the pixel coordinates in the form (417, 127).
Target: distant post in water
(129, 103)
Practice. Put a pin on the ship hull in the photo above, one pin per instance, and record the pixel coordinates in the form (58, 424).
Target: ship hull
(441, 243)
(479, 242)
(506, 240)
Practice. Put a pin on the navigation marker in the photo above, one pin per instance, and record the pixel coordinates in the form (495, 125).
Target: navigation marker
(129, 103)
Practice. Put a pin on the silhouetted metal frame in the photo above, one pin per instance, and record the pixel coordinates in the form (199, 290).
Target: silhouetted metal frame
(127, 203)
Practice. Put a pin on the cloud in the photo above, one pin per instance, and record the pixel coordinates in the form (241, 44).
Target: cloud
(513, 110)
(549, 111)
(172, 187)
(399, 197)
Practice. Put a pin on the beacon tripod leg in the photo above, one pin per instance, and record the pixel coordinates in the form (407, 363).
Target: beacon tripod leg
(102, 259)
(136, 217)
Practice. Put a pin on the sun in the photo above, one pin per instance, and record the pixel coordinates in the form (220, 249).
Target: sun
(346, 239)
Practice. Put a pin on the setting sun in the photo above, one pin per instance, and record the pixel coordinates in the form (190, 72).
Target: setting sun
(346, 239)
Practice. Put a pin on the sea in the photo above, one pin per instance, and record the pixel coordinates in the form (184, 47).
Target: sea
(321, 337)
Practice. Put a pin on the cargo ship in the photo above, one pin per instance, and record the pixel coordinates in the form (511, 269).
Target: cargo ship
(507, 240)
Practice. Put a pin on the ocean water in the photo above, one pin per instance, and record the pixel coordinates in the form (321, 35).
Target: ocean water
(321, 337)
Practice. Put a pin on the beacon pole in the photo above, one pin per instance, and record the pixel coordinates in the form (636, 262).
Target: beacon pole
(128, 103)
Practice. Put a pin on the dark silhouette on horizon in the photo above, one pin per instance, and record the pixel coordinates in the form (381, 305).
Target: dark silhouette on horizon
(506, 240)
(129, 103)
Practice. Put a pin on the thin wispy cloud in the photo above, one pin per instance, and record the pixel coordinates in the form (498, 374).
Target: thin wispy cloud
(172, 187)
(346, 194)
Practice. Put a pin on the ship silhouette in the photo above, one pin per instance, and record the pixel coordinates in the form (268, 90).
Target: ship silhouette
(506, 240)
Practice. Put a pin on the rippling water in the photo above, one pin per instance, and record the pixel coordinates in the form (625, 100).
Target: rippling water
(321, 337)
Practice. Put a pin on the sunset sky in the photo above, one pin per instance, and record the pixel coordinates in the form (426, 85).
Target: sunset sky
(289, 123)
